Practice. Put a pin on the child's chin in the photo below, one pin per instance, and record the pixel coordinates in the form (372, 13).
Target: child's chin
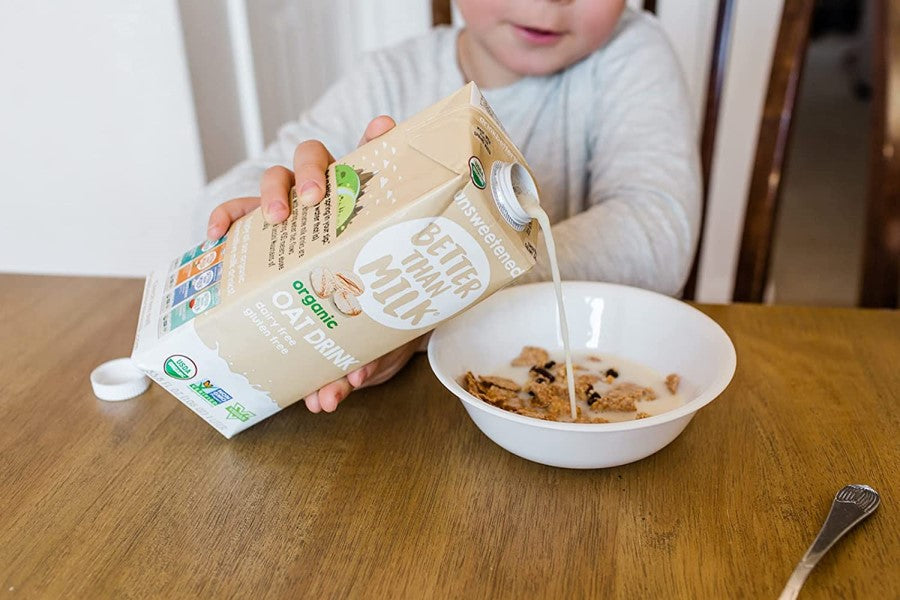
(537, 64)
(538, 69)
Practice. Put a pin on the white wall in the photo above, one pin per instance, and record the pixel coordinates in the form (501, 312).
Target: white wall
(98, 151)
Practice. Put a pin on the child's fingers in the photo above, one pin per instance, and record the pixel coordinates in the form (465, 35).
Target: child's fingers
(311, 159)
(274, 189)
(377, 127)
(358, 377)
(331, 394)
(312, 402)
(227, 213)
(383, 368)
(387, 366)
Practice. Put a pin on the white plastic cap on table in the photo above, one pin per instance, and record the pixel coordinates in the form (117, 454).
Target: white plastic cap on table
(118, 380)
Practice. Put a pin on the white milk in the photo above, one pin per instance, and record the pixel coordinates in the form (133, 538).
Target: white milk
(628, 370)
(540, 216)
(514, 180)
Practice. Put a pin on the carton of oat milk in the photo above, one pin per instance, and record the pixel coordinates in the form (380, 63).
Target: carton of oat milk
(415, 227)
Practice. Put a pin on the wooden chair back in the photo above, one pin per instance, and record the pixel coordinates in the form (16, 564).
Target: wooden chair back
(881, 253)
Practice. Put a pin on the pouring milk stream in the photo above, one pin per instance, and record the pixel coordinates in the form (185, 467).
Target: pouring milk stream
(518, 195)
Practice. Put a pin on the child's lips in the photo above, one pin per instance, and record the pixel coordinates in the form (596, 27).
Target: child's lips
(538, 37)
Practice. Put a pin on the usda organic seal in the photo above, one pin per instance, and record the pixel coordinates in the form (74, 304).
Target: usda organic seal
(179, 366)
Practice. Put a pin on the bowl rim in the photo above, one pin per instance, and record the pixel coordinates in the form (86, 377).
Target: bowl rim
(712, 391)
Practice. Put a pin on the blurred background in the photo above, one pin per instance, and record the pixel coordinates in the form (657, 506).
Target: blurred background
(115, 113)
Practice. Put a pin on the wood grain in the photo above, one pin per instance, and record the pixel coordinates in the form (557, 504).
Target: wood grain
(771, 151)
(398, 495)
(441, 12)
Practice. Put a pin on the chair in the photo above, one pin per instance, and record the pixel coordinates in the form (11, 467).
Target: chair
(881, 254)
(773, 136)
(771, 151)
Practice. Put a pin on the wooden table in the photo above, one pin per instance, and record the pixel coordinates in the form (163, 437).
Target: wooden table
(398, 495)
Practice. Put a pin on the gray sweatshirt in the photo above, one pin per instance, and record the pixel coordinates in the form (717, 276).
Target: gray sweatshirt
(611, 140)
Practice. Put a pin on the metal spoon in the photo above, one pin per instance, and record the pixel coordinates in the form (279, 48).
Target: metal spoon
(851, 505)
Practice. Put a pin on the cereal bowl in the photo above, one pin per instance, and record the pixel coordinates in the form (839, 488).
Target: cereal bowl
(654, 330)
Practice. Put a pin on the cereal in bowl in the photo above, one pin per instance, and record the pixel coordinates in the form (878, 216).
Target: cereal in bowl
(608, 389)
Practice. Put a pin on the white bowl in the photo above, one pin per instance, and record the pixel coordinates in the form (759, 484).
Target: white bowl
(654, 330)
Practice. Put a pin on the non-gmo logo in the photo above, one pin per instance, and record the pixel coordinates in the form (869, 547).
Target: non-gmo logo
(210, 392)
(179, 366)
(476, 170)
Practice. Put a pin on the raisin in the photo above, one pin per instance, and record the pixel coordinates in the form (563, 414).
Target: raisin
(612, 373)
(543, 373)
(550, 364)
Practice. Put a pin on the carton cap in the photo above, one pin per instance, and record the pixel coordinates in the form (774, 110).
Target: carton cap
(512, 186)
(118, 380)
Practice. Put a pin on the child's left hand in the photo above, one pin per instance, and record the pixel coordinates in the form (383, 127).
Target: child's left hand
(378, 371)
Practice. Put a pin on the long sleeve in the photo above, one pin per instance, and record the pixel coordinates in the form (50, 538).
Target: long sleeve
(643, 181)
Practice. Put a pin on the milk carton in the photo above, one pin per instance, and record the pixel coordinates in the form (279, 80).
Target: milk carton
(415, 227)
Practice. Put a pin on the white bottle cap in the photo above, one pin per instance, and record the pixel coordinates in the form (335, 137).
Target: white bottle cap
(118, 380)
(512, 186)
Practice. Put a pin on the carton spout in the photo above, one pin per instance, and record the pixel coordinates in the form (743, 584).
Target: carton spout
(514, 192)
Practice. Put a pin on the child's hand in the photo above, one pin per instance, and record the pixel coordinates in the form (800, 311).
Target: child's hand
(311, 159)
(378, 371)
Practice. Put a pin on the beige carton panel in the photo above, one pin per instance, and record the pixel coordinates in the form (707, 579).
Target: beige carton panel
(408, 235)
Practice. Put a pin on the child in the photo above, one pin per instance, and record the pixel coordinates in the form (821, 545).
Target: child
(589, 91)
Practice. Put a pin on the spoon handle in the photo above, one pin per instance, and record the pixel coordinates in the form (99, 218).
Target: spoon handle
(851, 505)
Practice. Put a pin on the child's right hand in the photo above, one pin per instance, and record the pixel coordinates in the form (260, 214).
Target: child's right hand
(311, 160)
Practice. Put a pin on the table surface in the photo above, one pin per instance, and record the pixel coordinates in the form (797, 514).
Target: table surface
(397, 494)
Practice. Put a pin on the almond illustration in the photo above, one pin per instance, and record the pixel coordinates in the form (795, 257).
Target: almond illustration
(350, 282)
(322, 282)
(346, 302)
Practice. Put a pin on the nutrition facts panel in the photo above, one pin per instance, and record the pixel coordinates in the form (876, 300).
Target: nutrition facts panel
(192, 284)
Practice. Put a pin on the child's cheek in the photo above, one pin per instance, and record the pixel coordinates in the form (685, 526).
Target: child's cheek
(595, 22)
(481, 14)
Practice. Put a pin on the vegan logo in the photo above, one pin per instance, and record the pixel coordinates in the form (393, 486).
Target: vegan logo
(237, 411)
(211, 393)
(476, 170)
(179, 366)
